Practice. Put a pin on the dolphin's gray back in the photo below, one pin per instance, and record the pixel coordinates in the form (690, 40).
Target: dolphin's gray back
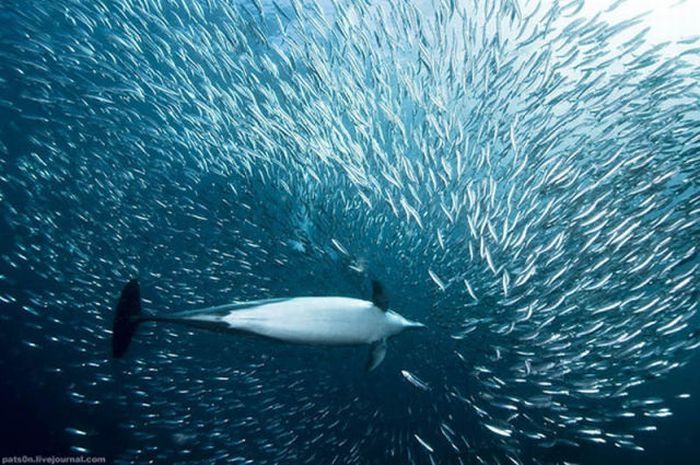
(223, 310)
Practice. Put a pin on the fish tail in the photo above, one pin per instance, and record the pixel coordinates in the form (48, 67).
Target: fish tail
(127, 317)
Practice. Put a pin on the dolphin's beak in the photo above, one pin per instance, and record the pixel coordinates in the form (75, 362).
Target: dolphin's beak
(415, 325)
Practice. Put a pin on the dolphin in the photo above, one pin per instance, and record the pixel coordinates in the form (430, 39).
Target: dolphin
(331, 321)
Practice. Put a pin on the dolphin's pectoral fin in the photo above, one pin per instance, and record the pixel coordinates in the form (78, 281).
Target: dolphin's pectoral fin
(379, 297)
(376, 354)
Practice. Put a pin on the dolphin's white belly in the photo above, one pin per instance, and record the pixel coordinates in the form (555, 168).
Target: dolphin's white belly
(313, 320)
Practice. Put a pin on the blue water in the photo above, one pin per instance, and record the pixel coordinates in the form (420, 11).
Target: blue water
(522, 180)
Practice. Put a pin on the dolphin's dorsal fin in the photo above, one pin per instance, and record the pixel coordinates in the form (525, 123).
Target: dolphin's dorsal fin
(379, 297)
(376, 354)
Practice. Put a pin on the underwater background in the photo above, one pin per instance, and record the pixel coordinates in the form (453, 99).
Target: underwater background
(522, 176)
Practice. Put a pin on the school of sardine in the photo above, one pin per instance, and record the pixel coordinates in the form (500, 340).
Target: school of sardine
(524, 180)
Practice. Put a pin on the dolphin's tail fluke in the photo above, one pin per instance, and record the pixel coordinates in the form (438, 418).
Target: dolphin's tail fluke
(126, 318)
